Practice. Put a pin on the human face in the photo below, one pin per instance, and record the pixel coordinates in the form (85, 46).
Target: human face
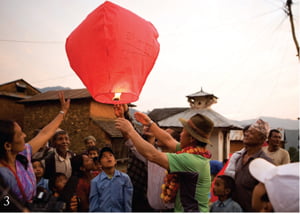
(274, 140)
(88, 163)
(93, 153)
(258, 204)
(38, 169)
(219, 187)
(253, 137)
(185, 138)
(18, 143)
(89, 143)
(108, 160)
(62, 143)
(60, 183)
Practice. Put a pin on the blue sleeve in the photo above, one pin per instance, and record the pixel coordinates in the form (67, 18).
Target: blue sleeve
(94, 198)
(236, 207)
(128, 192)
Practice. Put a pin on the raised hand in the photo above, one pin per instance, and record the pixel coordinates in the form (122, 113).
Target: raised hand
(142, 118)
(123, 125)
(65, 104)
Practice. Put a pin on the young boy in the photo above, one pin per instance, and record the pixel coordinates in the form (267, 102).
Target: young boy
(56, 185)
(111, 190)
(223, 188)
(93, 152)
(39, 170)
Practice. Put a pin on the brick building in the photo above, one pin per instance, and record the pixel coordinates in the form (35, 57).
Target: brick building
(85, 117)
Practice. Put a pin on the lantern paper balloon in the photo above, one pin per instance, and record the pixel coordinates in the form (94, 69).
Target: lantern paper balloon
(113, 51)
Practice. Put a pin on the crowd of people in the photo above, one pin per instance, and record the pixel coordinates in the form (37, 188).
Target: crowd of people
(167, 170)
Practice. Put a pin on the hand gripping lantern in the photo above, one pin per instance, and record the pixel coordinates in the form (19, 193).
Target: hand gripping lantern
(113, 51)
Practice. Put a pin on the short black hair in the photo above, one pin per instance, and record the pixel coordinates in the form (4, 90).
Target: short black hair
(229, 183)
(52, 180)
(55, 136)
(105, 149)
(273, 130)
(93, 148)
(38, 160)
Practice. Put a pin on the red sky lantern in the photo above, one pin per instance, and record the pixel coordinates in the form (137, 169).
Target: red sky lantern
(113, 51)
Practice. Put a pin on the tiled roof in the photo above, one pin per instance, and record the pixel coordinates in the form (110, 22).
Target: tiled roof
(69, 94)
(162, 113)
(52, 95)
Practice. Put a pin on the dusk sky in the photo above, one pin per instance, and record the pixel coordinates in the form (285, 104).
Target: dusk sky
(241, 51)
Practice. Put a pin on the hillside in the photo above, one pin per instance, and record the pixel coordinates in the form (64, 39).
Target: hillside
(53, 88)
(274, 123)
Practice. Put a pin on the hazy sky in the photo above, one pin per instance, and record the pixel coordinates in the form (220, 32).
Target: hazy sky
(240, 50)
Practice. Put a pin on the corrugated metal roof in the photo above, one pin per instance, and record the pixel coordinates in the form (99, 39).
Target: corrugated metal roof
(52, 95)
(219, 120)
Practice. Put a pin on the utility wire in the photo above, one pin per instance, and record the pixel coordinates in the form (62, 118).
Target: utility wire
(28, 41)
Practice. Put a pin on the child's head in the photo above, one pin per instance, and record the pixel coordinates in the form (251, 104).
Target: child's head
(38, 168)
(93, 152)
(107, 158)
(82, 163)
(58, 182)
(224, 186)
(89, 141)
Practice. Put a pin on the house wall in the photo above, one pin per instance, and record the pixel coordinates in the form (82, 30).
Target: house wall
(215, 147)
(11, 110)
(100, 110)
(77, 122)
(221, 144)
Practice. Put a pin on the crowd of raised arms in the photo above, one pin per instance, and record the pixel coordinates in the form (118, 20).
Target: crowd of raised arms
(167, 170)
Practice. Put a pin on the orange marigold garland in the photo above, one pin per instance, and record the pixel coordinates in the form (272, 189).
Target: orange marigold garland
(171, 180)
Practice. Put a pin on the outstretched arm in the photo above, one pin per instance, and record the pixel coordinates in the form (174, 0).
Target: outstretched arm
(143, 147)
(48, 131)
(160, 134)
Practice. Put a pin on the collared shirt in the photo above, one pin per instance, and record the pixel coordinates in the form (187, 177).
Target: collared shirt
(244, 181)
(228, 205)
(63, 165)
(111, 194)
